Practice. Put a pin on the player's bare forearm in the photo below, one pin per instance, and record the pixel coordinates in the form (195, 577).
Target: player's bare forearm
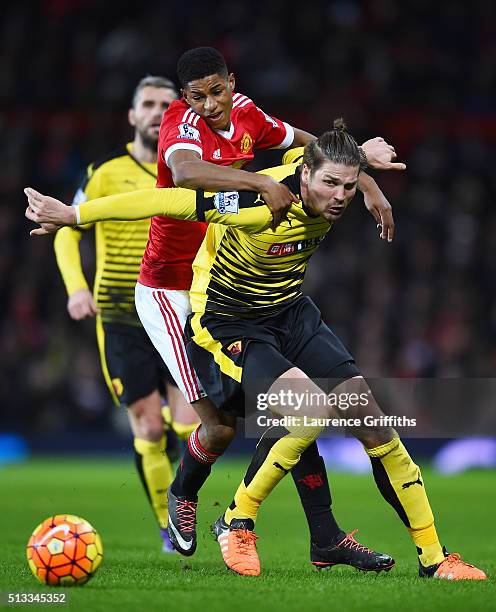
(378, 206)
(189, 171)
(301, 138)
(199, 174)
(366, 184)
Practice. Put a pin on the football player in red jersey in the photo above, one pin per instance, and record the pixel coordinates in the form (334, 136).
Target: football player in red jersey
(210, 129)
(205, 139)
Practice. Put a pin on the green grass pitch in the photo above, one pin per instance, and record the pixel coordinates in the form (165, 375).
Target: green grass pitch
(135, 575)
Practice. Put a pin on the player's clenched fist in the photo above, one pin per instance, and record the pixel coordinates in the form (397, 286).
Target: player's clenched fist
(278, 198)
(48, 212)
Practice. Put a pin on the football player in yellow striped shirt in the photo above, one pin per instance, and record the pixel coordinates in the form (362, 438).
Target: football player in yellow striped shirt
(134, 371)
(251, 326)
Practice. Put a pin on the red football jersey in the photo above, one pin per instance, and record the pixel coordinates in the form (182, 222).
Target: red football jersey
(173, 244)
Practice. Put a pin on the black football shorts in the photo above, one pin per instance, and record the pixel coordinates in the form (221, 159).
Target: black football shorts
(232, 356)
(135, 369)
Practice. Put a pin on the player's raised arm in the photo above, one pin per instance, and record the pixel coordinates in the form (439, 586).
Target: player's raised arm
(132, 206)
(50, 213)
(246, 210)
(190, 171)
(378, 206)
(381, 155)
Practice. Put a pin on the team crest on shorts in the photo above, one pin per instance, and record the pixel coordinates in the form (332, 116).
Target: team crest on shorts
(118, 386)
(235, 348)
(246, 143)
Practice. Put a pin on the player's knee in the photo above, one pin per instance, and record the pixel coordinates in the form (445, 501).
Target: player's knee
(371, 437)
(152, 431)
(219, 437)
(146, 421)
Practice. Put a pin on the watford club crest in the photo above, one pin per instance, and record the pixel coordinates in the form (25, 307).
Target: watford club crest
(246, 143)
(118, 387)
(235, 348)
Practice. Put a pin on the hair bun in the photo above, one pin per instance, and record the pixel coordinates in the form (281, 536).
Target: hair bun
(339, 125)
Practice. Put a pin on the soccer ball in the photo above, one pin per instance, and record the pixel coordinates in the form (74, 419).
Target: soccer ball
(64, 550)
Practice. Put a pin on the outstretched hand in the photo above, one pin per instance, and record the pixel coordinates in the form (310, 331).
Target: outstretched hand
(49, 213)
(380, 155)
(44, 229)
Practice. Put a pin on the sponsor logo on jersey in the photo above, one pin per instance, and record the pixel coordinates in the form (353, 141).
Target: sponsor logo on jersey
(235, 348)
(227, 202)
(216, 154)
(246, 143)
(287, 248)
(188, 131)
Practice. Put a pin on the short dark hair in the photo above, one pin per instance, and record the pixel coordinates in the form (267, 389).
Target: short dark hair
(336, 145)
(198, 63)
(152, 81)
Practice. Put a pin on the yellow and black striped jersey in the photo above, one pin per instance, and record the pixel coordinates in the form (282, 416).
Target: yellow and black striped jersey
(254, 274)
(119, 244)
(244, 267)
(293, 156)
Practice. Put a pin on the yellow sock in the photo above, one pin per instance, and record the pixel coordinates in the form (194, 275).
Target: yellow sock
(166, 415)
(255, 487)
(155, 472)
(184, 431)
(400, 482)
(245, 506)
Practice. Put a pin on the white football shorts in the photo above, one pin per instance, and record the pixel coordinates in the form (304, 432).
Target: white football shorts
(163, 314)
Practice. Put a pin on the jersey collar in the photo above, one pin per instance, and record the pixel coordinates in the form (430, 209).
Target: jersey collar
(227, 133)
(148, 167)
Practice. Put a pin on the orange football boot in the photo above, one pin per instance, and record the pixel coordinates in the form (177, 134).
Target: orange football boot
(238, 545)
(452, 568)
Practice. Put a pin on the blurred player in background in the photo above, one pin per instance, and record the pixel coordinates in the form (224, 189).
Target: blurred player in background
(133, 370)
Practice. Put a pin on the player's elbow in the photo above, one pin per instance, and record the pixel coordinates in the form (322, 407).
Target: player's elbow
(184, 175)
(64, 236)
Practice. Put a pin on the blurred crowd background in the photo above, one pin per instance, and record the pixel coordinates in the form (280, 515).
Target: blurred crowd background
(420, 74)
